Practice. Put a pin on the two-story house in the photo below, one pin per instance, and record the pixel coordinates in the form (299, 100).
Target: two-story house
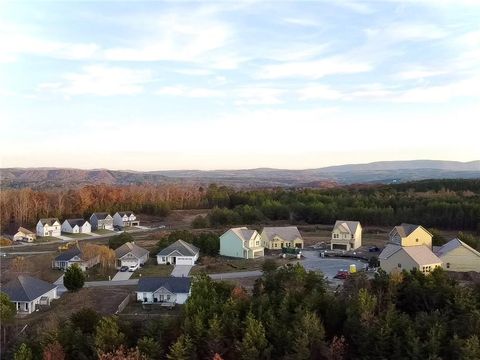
(241, 243)
(101, 220)
(125, 219)
(346, 235)
(76, 226)
(281, 236)
(49, 227)
(23, 234)
(410, 235)
(398, 258)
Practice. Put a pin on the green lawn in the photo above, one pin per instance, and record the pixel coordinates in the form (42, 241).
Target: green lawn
(151, 268)
(46, 239)
(75, 236)
(103, 232)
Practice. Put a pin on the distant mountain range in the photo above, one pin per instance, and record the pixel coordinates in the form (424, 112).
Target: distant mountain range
(377, 172)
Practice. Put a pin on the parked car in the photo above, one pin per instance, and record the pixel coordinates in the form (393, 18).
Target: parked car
(132, 268)
(373, 249)
(342, 274)
(124, 268)
(117, 228)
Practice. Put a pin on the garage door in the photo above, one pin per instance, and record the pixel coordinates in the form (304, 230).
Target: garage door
(339, 247)
(129, 262)
(184, 261)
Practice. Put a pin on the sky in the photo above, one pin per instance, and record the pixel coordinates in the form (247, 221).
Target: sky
(230, 85)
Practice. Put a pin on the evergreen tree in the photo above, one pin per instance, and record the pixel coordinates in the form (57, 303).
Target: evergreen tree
(471, 348)
(254, 344)
(108, 335)
(182, 349)
(23, 353)
(149, 348)
(74, 278)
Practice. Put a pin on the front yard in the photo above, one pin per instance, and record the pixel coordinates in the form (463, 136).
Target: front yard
(151, 268)
(103, 232)
(41, 239)
(96, 273)
(76, 236)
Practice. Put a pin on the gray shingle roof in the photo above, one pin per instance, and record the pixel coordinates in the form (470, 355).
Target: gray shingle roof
(130, 247)
(421, 254)
(184, 248)
(26, 288)
(175, 285)
(289, 233)
(101, 215)
(73, 222)
(69, 254)
(122, 213)
(243, 233)
(49, 221)
(452, 245)
(350, 226)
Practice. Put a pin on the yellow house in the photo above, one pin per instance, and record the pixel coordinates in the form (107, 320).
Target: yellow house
(410, 235)
(458, 256)
(282, 236)
(398, 258)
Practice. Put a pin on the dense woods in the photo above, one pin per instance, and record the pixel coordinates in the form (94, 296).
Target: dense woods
(291, 314)
(447, 204)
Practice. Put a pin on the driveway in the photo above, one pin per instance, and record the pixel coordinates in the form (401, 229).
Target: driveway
(120, 276)
(181, 270)
(328, 266)
(60, 287)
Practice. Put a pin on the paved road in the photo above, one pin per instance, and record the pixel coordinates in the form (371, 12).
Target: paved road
(125, 275)
(181, 270)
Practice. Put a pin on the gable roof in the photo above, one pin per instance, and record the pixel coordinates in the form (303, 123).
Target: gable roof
(243, 233)
(130, 247)
(25, 231)
(69, 254)
(73, 222)
(452, 245)
(346, 226)
(122, 213)
(421, 254)
(48, 221)
(26, 288)
(405, 229)
(288, 233)
(173, 284)
(182, 247)
(101, 215)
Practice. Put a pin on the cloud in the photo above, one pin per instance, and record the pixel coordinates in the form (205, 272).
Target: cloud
(258, 96)
(319, 92)
(184, 91)
(419, 73)
(101, 80)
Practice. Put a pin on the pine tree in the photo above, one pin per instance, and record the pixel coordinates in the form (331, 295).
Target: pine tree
(182, 349)
(23, 353)
(471, 348)
(254, 344)
(149, 348)
(108, 335)
(74, 278)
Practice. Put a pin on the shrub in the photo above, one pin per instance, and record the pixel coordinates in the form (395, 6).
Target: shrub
(74, 278)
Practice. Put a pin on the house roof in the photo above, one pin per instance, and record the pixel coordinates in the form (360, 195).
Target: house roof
(101, 215)
(69, 254)
(26, 288)
(122, 213)
(289, 233)
(182, 247)
(244, 233)
(405, 229)
(48, 221)
(175, 285)
(452, 245)
(421, 254)
(346, 226)
(130, 247)
(73, 222)
(25, 231)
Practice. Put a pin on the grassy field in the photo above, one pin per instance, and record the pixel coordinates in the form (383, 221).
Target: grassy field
(39, 266)
(151, 268)
(76, 236)
(222, 264)
(103, 232)
(42, 239)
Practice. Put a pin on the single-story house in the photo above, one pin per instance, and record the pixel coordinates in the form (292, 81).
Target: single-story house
(175, 290)
(23, 234)
(76, 226)
(130, 254)
(179, 253)
(458, 256)
(410, 235)
(74, 256)
(27, 293)
(346, 235)
(281, 236)
(241, 243)
(49, 227)
(101, 220)
(398, 258)
(125, 219)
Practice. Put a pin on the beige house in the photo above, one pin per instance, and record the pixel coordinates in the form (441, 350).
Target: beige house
(280, 237)
(410, 235)
(23, 234)
(458, 256)
(241, 243)
(398, 258)
(346, 235)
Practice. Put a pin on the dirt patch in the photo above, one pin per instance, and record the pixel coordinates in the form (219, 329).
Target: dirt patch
(39, 266)
(177, 219)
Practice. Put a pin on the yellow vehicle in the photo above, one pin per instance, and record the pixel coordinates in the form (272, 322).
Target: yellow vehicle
(67, 246)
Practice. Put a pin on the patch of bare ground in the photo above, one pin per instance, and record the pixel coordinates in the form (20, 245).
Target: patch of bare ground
(38, 265)
(221, 264)
(176, 219)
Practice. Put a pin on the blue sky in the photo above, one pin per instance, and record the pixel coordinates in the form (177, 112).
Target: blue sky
(177, 85)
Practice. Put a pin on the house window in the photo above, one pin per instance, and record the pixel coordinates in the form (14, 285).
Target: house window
(257, 243)
(416, 240)
(164, 258)
(352, 236)
(399, 265)
(448, 265)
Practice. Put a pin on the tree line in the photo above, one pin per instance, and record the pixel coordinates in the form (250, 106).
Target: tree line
(290, 314)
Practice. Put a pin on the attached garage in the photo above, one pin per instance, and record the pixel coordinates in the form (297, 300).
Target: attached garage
(339, 247)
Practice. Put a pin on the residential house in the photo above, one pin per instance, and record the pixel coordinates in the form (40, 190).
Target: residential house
(74, 256)
(280, 237)
(23, 234)
(76, 226)
(125, 219)
(27, 293)
(179, 253)
(130, 255)
(49, 227)
(101, 220)
(410, 235)
(397, 258)
(458, 256)
(173, 290)
(346, 235)
(241, 243)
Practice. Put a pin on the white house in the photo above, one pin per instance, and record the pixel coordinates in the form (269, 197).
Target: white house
(125, 219)
(346, 235)
(130, 254)
(242, 243)
(23, 234)
(178, 253)
(74, 256)
(49, 227)
(173, 290)
(76, 226)
(281, 236)
(101, 220)
(27, 293)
